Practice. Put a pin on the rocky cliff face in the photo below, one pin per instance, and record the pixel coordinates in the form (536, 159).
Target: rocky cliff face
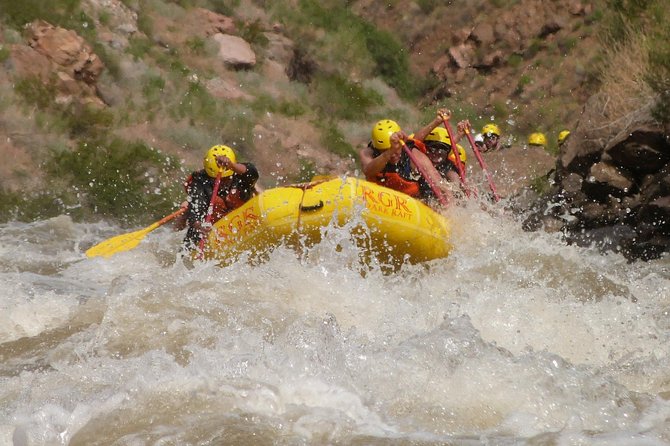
(528, 64)
(611, 185)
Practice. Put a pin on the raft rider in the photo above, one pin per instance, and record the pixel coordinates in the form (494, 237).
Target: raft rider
(236, 187)
(491, 134)
(385, 162)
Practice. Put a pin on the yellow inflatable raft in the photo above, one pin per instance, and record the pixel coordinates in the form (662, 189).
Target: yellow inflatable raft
(391, 226)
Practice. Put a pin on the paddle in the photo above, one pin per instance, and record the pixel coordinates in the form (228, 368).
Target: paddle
(210, 212)
(429, 180)
(126, 242)
(496, 197)
(457, 157)
(454, 150)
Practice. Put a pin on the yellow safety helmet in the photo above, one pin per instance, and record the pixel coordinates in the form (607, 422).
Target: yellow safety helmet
(490, 129)
(537, 139)
(439, 134)
(562, 136)
(381, 133)
(461, 153)
(211, 166)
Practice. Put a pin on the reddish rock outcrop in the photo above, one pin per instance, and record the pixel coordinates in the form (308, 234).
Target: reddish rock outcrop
(62, 58)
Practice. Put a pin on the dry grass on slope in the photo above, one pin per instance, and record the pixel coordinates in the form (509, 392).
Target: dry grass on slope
(627, 98)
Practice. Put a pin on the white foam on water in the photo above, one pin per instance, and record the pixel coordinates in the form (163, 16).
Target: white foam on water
(514, 337)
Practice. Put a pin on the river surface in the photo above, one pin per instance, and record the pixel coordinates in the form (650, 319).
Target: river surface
(515, 339)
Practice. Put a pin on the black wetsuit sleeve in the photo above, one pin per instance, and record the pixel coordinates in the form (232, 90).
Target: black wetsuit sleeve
(245, 183)
(199, 192)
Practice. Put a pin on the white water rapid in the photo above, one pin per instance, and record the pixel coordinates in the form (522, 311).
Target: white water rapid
(515, 339)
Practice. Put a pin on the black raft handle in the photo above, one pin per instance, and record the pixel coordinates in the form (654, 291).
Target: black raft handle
(314, 207)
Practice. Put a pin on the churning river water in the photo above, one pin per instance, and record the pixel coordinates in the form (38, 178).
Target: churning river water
(515, 339)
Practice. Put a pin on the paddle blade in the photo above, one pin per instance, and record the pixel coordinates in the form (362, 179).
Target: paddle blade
(120, 243)
(125, 242)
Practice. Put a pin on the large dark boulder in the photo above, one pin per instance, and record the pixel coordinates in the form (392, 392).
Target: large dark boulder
(611, 186)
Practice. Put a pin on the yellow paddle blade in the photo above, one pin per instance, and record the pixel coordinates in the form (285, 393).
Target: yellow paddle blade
(120, 243)
(126, 242)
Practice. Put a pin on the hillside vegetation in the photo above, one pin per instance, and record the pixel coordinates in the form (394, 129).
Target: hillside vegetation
(117, 143)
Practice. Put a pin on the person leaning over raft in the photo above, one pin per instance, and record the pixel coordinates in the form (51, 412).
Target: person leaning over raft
(438, 145)
(237, 186)
(385, 162)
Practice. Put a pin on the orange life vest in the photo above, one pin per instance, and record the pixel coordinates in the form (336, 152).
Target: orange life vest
(398, 176)
(226, 200)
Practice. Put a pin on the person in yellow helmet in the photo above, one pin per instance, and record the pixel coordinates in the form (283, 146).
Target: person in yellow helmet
(491, 134)
(537, 139)
(438, 150)
(237, 185)
(562, 136)
(385, 162)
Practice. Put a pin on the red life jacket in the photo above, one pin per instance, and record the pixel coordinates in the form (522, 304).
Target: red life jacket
(226, 200)
(397, 176)
(394, 181)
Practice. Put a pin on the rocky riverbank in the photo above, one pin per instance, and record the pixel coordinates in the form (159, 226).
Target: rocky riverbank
(611, 185)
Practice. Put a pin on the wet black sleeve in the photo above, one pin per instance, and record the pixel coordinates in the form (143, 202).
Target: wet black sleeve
(246, 182)
(199, 193)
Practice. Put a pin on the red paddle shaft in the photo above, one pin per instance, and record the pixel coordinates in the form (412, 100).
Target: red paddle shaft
(433, 186)
(482, 164)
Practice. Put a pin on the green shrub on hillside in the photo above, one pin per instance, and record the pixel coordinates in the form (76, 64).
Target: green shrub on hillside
(264, 103)
(392, 61)
(32, 206)
(524, 80)
(390, 58)
(333, 139)
(234, 121)
(253, 32)
(35, 92)
(9, 205)
(337, 98)
(183, 3)
(127, 181)
(139, 47)
(196, 105)
(500, 108)
(88, 121)
(75, 119)
(427, 6)
(57, 12)
(225, 7)
(152, 89)
(4, 53)
(64, 13)
(196, 45)
(120, 179)
(514, 60)
(503, 3)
